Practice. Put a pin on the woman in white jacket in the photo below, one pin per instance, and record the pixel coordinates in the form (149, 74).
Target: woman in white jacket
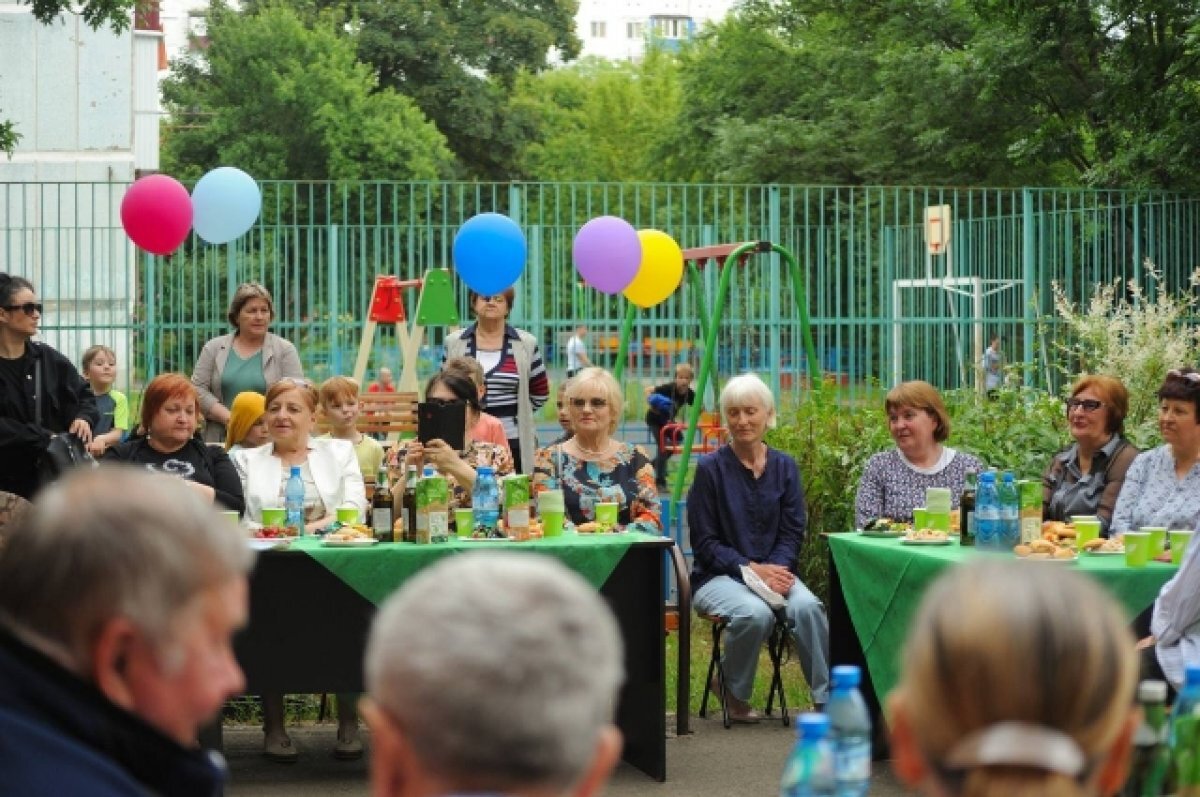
(331, 479)
(329, 467)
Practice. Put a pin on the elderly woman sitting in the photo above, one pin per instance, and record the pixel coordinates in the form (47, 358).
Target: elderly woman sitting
(1086, 477)
(894, 482)
(593, 467)
(746, 509)
(1162, 487)
(1034, 729)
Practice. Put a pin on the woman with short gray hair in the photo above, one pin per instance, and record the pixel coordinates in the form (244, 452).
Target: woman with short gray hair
(746, 512)
(250, 359)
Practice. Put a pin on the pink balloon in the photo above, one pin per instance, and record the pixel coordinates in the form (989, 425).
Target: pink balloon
(157, 214)
(607, 253)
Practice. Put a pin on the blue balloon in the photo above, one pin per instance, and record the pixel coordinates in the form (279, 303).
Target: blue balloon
(489, 253)
(225, 204)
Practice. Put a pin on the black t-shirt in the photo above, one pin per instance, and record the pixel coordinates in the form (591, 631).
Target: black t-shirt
(196, 461)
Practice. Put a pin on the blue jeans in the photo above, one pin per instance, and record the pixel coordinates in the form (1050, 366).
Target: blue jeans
(750, 623)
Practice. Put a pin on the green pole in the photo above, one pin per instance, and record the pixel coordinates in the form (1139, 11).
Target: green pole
(800, 290)
(697, 281)
(626, 332)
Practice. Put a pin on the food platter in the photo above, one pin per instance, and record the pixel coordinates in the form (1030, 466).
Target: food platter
(881, 534)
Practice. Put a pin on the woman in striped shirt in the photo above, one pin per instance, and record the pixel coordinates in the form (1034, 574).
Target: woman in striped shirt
(517, 385)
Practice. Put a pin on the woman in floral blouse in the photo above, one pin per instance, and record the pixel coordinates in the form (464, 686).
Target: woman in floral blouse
(457, 466)
(592, 467)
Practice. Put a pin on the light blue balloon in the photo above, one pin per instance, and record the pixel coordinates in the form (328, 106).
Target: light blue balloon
(489, 253)
(225, 204)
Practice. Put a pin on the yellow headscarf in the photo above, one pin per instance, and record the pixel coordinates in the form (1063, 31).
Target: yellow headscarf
(245, 411)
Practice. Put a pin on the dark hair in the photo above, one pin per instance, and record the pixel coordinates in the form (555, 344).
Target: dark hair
(1179, 387)
(462, 387)
(509, 295)
(9, 285)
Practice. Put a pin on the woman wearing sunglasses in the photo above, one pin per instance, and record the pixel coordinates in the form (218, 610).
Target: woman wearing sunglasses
(64, 402)
(459, 467)
(1162, 487)
(593, 467)
(1086, 477)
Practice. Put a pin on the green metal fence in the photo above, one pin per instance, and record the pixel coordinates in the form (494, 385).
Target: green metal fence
(882, 307)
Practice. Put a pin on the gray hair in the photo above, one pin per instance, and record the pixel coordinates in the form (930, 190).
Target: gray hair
(746, 389)
(608, 385)
(112, 542)
(503, 667)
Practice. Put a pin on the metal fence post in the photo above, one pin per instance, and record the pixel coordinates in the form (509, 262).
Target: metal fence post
(1029, 277)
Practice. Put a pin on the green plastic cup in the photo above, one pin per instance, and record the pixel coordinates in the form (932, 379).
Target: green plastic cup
(464, 522)
(273, 515)
(939, 521)
(1137, 548)
(920, 517)
(347, 514)
(607, 514)
(1179, 543)
(1158, 539)
(1086, 530)
(552, 522)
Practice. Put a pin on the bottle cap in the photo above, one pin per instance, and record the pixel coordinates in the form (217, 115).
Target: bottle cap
(813, 726)
(846, 676)
(1192, 675)
(1008, 475)
(987, 476)
(295, 470)
(429, 471)
(1152, 692)
(485, 470)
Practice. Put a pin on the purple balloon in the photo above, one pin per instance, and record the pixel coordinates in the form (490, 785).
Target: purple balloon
(607, 253)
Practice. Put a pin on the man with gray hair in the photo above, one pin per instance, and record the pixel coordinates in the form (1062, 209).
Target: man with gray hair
(120, 591)
(493, 673)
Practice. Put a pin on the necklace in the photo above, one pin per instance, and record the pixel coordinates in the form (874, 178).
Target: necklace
(590, 451)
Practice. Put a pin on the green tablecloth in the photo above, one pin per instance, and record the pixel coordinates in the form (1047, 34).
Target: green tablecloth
(883, 582)
(376, 571)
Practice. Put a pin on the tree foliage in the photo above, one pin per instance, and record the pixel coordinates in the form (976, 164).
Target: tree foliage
(291, 99)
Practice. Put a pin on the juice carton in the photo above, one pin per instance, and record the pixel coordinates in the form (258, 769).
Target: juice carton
(433, 509)
(517, 490)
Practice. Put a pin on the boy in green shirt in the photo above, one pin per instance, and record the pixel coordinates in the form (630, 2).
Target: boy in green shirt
(339, 402)
(100, 370)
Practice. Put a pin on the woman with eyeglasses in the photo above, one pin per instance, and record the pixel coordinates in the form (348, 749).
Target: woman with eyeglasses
(593, 467)
(1086, 477)
(329, 470)
(1162, 486)
(249, 359)
(65, 402)
(517, 385)
(459, 467)
(168, 443)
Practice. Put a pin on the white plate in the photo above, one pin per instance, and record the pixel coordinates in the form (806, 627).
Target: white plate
(483, 539)
(1049, 560)
(907, 541)
(270, 544)
(1106, 553)
(363, 543)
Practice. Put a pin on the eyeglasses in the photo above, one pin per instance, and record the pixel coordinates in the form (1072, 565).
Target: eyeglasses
(1191, 376)
(1087, 405)
(444, 402)
(497, 299)
(596, 403)
(29, 308)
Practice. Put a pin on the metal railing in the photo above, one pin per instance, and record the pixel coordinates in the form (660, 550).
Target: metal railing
(882, 308)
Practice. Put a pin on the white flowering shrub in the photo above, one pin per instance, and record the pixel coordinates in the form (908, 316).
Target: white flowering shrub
(1124, 333)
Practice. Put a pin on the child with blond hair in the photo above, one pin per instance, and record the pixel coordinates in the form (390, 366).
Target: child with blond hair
(340, 404)
(100, 371)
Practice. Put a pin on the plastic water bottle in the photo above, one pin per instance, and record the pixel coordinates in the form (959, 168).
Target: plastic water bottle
(850, 729)
(1185, 734)
(1010, 512)
(293, 500)
(987, 513)
(809, 769)
(485, 502)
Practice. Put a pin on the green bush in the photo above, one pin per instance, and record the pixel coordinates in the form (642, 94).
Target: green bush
(831, 441)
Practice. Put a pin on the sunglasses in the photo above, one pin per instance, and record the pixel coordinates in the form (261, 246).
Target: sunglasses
(596, 403)
(296, 380)
(1191, 376)
(29, 308)
(1087, 405)
(444, 402)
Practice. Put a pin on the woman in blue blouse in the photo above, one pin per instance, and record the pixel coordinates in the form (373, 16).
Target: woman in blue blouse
(746, 509)
(1162, 487)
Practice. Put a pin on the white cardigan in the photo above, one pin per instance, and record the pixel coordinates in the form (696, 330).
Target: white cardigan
(334, 470)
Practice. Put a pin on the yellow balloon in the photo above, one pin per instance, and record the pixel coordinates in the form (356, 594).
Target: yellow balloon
(660, 272)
